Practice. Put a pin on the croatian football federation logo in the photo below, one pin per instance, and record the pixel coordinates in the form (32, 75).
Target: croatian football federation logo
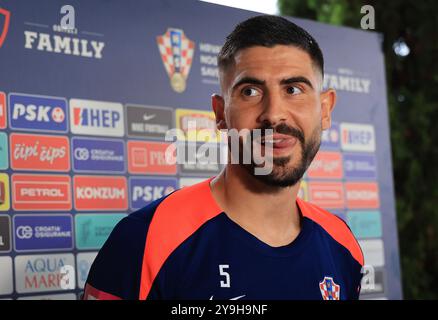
(176, 51)
(329, 289)
(4, 29)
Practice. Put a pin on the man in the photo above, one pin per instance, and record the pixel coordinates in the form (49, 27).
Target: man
(243, 235)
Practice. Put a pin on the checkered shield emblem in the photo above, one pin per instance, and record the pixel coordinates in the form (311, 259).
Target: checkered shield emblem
(176, 52)
(4, 28)
(329, 289)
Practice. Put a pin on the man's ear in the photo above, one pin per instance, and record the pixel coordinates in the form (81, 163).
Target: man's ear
(328, 101)
(218, 104)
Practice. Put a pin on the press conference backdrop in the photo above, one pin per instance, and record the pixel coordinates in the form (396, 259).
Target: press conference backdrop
(83, 116)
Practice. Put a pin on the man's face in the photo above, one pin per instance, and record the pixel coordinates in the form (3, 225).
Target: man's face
(276, 88)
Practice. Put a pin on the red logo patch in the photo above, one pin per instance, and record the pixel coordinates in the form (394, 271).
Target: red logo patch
(150, 158)
(39, 152)
(326, 165)
(362, 195)
(100, 193)
(329, 195)
(41, 192)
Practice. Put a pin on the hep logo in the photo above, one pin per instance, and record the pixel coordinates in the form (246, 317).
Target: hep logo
(5, 27)
(89, 117)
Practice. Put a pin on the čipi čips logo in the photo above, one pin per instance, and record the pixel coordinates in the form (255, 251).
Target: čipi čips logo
(4, 28)
(176, 51)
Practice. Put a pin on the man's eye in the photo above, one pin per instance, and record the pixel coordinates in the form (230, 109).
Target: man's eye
(250, 92)
(293, 90)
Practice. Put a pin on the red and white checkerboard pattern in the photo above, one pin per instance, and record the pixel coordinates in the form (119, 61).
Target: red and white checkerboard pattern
(187, 51)
(335, 289)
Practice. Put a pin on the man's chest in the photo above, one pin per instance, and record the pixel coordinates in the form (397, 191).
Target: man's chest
(227, 275)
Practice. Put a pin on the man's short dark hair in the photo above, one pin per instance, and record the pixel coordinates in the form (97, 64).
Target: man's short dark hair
(268, 31)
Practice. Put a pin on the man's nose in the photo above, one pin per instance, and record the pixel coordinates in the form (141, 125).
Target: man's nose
(274, 110)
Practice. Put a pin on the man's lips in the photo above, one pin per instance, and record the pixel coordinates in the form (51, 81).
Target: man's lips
(278, 141)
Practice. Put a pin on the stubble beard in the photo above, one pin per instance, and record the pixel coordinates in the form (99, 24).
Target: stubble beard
(283, 174)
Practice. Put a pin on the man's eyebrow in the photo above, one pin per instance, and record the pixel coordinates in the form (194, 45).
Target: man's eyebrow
(248, 80)
(292, 80)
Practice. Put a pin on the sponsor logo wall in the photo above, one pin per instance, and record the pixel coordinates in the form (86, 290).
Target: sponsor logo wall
(71, 181)
(77, 156)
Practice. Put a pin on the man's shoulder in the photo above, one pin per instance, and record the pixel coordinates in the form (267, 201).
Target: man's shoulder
(334, 226)
(170, 218)
(185, 201)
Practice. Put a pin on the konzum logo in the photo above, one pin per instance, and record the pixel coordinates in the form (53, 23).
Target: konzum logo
(100, 193)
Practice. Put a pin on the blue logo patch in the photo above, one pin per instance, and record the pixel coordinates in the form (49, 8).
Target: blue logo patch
(331, 138)
(361, 166)
(98, 155)
(43, 232)
(145, 190)
(37, 113)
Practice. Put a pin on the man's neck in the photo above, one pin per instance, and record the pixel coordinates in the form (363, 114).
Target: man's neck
(269, 213)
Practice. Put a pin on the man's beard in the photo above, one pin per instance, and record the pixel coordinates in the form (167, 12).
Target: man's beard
(283, 174)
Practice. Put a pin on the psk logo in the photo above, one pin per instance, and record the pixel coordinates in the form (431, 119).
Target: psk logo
(329, 289)
(177, 54)
(5, 27)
